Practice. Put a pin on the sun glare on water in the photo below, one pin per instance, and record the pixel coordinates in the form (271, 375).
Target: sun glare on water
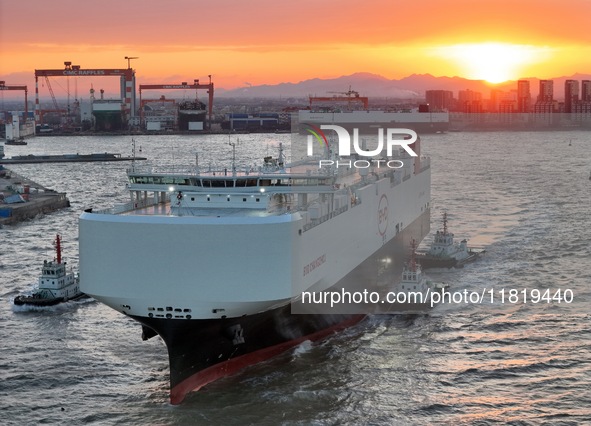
(493, 62)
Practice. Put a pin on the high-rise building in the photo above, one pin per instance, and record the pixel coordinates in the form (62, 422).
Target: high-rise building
(571, 95)
(583, 107)
(586, 91)
(546, 91)
(439, 100)
(545, 103)
(493, 102)
(469, 101)
(523, 96)
(507, 102)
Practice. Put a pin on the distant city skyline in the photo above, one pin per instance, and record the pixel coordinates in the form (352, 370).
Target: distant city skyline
(267, 42)
(516, 100)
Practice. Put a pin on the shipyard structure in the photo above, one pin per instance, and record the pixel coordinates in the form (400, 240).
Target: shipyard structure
(94, 111)
(155, 108)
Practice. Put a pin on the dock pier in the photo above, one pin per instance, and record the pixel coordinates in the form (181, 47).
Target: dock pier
(22, 199)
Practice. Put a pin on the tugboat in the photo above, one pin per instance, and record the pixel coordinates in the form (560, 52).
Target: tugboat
(444, 253)
(413, 291)
(55, 284)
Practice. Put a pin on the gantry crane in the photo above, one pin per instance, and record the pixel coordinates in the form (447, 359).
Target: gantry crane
(127, 82)
(349, 93)
(3, 86)
(196, 85)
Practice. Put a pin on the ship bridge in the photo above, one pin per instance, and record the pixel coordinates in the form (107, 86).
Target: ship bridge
(316, 193)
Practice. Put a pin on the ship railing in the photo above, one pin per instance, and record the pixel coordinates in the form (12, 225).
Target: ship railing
(244, 170)
(126, 207)
(173, 169)
(315, 222)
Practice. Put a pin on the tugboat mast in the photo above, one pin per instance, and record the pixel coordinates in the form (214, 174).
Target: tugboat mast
(58, 249)
(413, 260)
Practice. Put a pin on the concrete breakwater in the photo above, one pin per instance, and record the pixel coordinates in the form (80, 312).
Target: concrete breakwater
(22, 198)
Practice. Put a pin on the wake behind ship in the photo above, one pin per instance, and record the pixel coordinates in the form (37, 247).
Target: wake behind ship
(215, 262)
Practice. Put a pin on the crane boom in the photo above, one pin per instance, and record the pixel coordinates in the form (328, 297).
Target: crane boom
(51, 92)
(350, 97)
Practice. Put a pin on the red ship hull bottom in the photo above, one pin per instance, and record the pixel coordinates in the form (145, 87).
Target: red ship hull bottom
(232, 366)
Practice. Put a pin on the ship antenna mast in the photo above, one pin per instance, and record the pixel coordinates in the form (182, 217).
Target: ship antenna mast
(445, 223)
(233, 145)
(132, 154)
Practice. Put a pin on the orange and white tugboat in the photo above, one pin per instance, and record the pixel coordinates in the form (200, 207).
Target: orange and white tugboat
(56, 285)
(445, 253)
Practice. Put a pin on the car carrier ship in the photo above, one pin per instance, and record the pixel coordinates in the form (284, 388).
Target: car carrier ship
(366, 120)
(215, 262)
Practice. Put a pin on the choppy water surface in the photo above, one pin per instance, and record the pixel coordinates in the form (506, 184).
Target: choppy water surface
(523, 196)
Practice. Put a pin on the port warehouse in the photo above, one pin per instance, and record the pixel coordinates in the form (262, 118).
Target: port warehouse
(105, 115)
(263, 121)
(157, 116)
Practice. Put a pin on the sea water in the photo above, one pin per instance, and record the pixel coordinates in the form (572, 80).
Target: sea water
(524, 196)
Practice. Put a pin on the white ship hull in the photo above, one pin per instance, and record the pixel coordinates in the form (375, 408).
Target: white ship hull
(171, 261)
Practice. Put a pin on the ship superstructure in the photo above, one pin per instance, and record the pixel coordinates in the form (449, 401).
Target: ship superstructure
(215, 261)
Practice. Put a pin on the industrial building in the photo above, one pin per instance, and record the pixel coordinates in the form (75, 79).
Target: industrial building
(264, 121)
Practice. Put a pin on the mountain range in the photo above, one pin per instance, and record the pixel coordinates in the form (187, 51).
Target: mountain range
(373, 85)
(412, 87)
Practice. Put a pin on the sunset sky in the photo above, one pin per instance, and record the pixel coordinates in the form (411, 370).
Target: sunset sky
(268, 42)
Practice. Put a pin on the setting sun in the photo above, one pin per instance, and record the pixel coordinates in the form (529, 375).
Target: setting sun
(493, 62)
